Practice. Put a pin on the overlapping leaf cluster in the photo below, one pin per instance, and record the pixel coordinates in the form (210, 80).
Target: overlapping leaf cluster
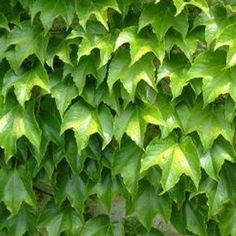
(117, 100)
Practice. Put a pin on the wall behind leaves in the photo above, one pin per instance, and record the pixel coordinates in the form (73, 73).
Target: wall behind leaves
(117, 100)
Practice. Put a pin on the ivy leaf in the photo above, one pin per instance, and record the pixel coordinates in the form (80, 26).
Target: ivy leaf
(176, 69)
(99, 226)
(165, 20)
(24, 221)
(131, 75)
(85, 9)
(95, 39)
(180, 4)
(133, 121)
(88, 65)
(147, 204)
(60, 221)
(127, 164)
(16, 189)
(74, 189)
(24, 82)
(227, 221)
(213, 160)
(4, 22)
(69, 91)
(3, 46)
(195, 220)
(85, 122)
(14, 123)
(107, 197)
(209, 125)
(62, 8)
(20, 37)
(140, 45)
(216, 79)
(59, 48)
(214, 23)
(217, 194)
(171, 117)
(226, 38)
(174, 159)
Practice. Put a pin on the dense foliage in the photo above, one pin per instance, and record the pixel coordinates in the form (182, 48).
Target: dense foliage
(128, 101)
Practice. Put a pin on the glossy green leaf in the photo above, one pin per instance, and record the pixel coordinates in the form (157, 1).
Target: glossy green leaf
(140, 44)
(69, 91)
(131, 75)
(56, 222)
(24, 82)
(24, 221)
(133, 121)
(85, 9)
(84, 121)
(28, 40)
(213, 160)
(174, 158)
(165, 20)
(227, 221)
(98, 226)
(216, 79)
(14, 123)
(180, 4)
(57, 8)
(17, 188)
(226, 39)
(209, 125)
(147, 204)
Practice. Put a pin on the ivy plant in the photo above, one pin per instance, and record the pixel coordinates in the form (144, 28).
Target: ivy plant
(117, 112)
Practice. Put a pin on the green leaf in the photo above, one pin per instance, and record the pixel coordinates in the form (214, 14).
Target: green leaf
(140, 44)
(195, 220)
(16, 189)
(28, 39)
(214, 23)
(99, 226)
(65, 88)
(190, 218)
(147, 204)
(95, 38)
(85, 121)
(24, 221)
(87, 66)
(213, 160)
(3, 46)
(131, 75)
(171, 117)
(180, 4)
(217, 194)
(217, 79)
(63, 8)
(174, 159)
(74, 189)
(175, 68)
(209, 124)
(165, 20)
(14, 123)
(24, 82)
(227, 221)
(107, 190)
(60, 221)
(59, 48)
(126, 162)
(133, 121)
(4, 22)
(99, 8)
(226, 38)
